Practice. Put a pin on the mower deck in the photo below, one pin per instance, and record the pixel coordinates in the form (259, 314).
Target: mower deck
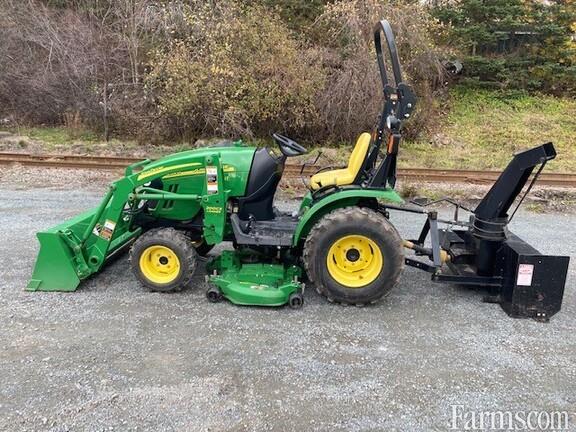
(253, 284)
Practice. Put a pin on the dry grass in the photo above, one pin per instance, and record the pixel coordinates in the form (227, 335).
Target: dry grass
(482, 129)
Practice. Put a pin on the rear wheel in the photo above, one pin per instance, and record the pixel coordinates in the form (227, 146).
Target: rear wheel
(353, 255)
(163, 260)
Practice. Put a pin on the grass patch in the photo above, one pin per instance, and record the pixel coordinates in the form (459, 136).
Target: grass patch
(483, 128)
(56, 135)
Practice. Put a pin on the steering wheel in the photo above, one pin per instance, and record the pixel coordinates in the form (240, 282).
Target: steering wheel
(289, 147)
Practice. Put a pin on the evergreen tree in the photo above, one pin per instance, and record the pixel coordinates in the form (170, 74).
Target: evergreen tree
(513, 43)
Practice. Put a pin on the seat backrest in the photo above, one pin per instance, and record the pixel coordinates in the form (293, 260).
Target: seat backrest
(359, 153)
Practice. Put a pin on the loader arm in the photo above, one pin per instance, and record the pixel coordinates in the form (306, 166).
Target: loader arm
(80, 247)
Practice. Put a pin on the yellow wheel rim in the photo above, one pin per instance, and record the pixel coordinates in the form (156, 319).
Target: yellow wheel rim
(354, 261)
(159, 264)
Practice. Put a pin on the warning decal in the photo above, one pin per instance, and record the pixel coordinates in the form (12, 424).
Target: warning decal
(525, 272)
(97, 230)
(108, 229)
(212, 179)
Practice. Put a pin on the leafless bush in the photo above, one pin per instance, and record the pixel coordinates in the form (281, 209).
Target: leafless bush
(168, 69)
(352, 97)
(59, 61)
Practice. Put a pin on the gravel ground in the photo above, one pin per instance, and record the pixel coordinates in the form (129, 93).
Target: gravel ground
(112, 356)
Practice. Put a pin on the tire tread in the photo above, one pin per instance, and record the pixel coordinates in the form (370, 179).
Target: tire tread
(348, 215)
(171, 236)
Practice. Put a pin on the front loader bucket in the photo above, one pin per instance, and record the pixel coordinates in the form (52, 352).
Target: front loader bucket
(57, 267)
(79, 247)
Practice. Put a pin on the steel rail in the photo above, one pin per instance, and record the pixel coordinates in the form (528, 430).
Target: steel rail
(434, 175)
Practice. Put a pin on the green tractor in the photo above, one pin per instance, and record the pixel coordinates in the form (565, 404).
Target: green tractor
(172, 211)
(175, 209)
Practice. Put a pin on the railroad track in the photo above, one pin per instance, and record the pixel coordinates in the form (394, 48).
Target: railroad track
(291, 170)
(66, 161)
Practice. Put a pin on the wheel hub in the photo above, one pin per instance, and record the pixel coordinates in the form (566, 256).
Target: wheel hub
(352, 255)
(159, 264)
(354, 261)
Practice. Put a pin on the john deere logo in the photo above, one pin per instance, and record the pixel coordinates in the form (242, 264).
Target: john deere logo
(213, 209)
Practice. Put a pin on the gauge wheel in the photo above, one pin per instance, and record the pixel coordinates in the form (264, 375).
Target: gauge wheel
(353, 255)
(163, 260)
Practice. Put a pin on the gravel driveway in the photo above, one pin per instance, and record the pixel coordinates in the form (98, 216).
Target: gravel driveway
(113, 356)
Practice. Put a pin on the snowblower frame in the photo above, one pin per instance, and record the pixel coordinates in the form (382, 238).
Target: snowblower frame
(482, 252)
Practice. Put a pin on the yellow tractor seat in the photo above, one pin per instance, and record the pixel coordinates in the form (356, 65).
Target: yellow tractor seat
(344, 176)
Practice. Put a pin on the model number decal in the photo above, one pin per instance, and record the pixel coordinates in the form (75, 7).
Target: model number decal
(213, 209)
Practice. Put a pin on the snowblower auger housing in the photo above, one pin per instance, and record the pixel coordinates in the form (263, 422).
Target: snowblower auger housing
(175, 209)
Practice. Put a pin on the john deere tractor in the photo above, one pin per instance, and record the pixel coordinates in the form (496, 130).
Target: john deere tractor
(173, 210)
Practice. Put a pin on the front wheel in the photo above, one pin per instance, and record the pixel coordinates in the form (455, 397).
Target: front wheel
(163, 260)
(353, 255)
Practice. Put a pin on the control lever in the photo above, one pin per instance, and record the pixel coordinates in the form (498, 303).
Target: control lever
(313, 163)
(305, 164)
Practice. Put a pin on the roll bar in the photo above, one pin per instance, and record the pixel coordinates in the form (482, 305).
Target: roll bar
(384, 27)
(398, 96)
(399, 101)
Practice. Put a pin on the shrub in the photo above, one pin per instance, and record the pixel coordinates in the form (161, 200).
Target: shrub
(158, 70)
(61, 60)
(236, 71)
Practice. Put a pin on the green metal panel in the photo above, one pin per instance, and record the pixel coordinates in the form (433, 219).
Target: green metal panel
(214, 199)
(185, 173)
(79, 247)
(253, 284)
(179, 167)
(311, 211)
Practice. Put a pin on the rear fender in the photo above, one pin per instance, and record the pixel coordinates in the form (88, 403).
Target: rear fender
(340, 199)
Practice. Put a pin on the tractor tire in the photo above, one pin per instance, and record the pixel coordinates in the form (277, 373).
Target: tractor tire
(353, 256)
(163, 260)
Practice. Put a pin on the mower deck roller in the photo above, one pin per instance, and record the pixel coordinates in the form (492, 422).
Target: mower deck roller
(174, 210)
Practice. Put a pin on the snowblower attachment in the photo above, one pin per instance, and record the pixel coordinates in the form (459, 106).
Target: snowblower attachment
(484, 253)
(79, 247)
